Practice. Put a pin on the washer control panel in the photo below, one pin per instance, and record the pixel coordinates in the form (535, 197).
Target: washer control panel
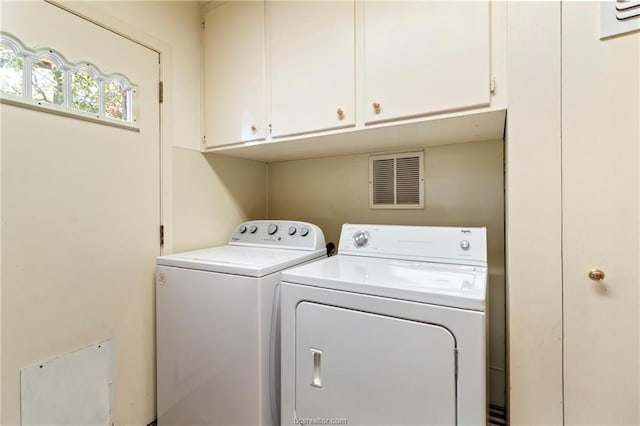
(279, 233)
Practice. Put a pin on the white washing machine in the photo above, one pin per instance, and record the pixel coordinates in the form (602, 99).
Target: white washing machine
(216, 326)
(391, 331)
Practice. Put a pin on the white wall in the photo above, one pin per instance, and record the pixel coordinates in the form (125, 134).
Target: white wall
(463, 187)
(533, 215)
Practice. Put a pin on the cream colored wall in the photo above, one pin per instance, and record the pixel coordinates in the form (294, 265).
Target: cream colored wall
(204, 197)
(211, 195)
(533, 214)
(463, 187)
(1, 222)
(178, 24)
(174, 29)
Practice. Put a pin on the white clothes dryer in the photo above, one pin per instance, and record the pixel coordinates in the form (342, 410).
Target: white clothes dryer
(217, 345)
(391, 331)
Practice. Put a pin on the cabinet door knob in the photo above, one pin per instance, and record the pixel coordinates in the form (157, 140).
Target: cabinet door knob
(254, 128)
(340, 113)
(376, 107)
(596, 274)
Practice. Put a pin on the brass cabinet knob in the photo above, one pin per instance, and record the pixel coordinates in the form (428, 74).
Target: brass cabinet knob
(340, 112)
(254, 128)
(596, 275)
(376, 107)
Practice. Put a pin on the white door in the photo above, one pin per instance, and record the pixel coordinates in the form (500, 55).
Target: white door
(600, 148)
(80, 219)
(312, 66)
(423, 57)
(369, 369)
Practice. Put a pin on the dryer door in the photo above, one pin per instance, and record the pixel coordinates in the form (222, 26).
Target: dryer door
(359, 368)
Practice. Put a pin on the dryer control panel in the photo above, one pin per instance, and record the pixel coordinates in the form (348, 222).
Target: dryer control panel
(285, 234)
(440, 244)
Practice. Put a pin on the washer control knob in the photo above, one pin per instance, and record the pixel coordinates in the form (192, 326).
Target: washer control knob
(360, 239)
(304, 231)
(253, 229)
(242, 229)
(464, 245)
(292, 230)
(272, 229)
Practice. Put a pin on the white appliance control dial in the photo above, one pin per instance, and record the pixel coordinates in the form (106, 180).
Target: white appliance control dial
(464, 245)
(285, 234)
(360, 239)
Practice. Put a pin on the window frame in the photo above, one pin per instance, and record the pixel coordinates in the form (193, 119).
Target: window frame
(66, 109)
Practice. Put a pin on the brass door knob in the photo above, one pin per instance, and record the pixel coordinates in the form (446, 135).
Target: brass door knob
(596, 275)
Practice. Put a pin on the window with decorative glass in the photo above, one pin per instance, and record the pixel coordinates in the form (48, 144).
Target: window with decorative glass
(43, 79)
(11, 71)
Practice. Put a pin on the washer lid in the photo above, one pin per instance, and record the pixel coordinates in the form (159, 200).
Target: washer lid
(456, 286)
(240, 260)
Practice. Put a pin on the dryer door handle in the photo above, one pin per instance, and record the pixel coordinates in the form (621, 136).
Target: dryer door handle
(316, 374)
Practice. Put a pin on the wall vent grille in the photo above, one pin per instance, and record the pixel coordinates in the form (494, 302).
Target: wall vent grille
(627, 9)
(619, 17)
(396, 181)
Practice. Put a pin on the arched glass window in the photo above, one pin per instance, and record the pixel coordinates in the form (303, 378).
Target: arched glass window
(46, 81)
(115, 100)
(11, 71)
(85, 92)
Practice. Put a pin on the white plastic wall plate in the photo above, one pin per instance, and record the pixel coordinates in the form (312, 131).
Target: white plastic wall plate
(619, 17)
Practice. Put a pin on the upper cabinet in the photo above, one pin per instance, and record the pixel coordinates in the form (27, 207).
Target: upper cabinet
(234, 61)
(312, 66)
(425, 57)
(301, 79)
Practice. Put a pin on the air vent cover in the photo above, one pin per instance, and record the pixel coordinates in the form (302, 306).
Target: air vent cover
(396, 181)
(619, 17)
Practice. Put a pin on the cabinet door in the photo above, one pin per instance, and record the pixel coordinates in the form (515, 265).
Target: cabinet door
(601, 188)
(234, 80)
(371, 369)
(312, 66)
(425, 57)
